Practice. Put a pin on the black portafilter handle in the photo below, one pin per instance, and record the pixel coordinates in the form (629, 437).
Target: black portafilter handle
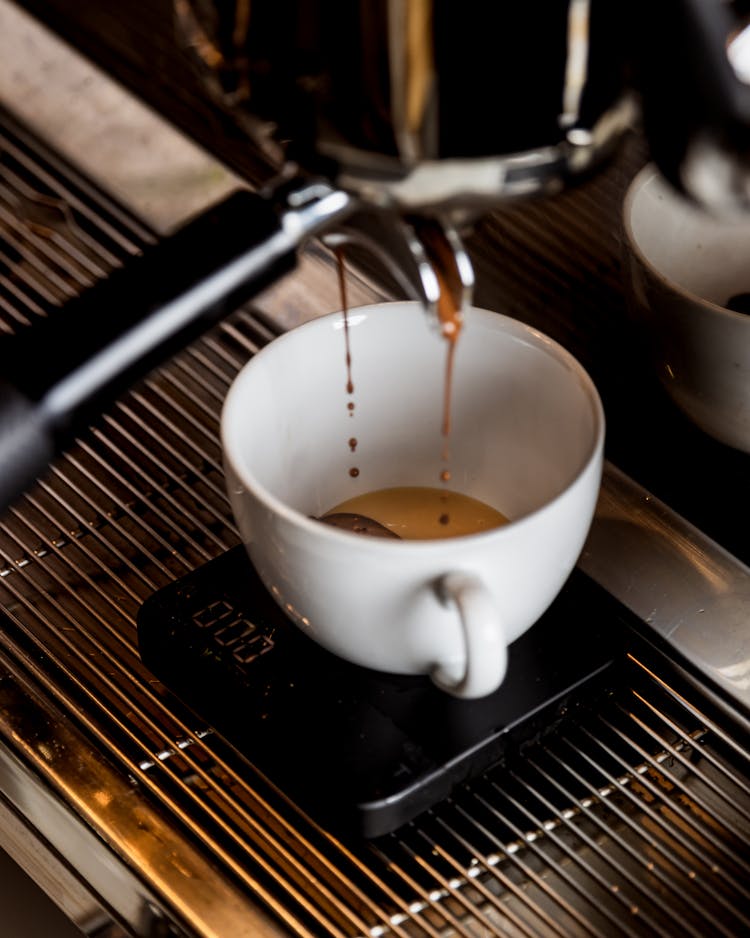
(59, 374)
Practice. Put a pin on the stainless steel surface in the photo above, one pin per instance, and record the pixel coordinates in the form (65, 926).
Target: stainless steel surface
(686, 586)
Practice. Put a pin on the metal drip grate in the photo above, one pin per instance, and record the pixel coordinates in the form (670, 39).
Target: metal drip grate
(632, 818)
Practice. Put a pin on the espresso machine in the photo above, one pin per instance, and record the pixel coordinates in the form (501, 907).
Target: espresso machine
(392, 127)
(181, 760)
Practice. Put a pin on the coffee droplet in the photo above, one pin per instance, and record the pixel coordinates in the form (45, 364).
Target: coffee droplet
(350, 407)
(445, 475)
(444, 519)
(353, 443)
(354, 472)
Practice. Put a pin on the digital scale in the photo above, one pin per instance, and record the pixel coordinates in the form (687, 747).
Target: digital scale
(361, 750)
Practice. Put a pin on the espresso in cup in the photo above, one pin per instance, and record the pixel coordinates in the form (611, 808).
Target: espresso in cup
(417, 513)
(527, 437)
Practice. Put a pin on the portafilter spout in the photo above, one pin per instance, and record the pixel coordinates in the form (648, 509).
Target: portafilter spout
(425, 257)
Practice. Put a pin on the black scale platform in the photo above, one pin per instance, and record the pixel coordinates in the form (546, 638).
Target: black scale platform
(361, 750)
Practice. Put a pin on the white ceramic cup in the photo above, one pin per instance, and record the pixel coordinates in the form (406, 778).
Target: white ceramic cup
(684, 265)
(527, 439)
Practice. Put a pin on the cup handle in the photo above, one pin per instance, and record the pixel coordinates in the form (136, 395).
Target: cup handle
(484, 637)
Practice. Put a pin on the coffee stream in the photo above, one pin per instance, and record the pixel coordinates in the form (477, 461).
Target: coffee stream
(450, 325)
(350, 406)
(451, 320)
(437, 508)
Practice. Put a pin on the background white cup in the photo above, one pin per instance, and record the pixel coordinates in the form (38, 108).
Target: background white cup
(684, 265)
(527, 438)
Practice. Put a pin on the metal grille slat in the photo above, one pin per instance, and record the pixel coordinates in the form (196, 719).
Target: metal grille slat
(597, 876)
(491, 900)
(720, 791)
(213, 382)
(437, 902)
(241, 871)
(163, 499)
(161, 425)
(81, 545)
(492, 865)
(17, 196)
(124, 668)
(689, 878)
(28, 303)
(647, 869)
(10, 315)
(163, 479)
(102, 511)
(676, 833)
(137, 496)
(699, 835)
(177, 387)
(119, 559)
(43, 272)
(201, 443)
(53, 250)
(426, 908)
(115, 232)
(199, 396)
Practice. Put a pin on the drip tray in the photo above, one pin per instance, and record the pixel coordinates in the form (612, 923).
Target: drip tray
(361, 750)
